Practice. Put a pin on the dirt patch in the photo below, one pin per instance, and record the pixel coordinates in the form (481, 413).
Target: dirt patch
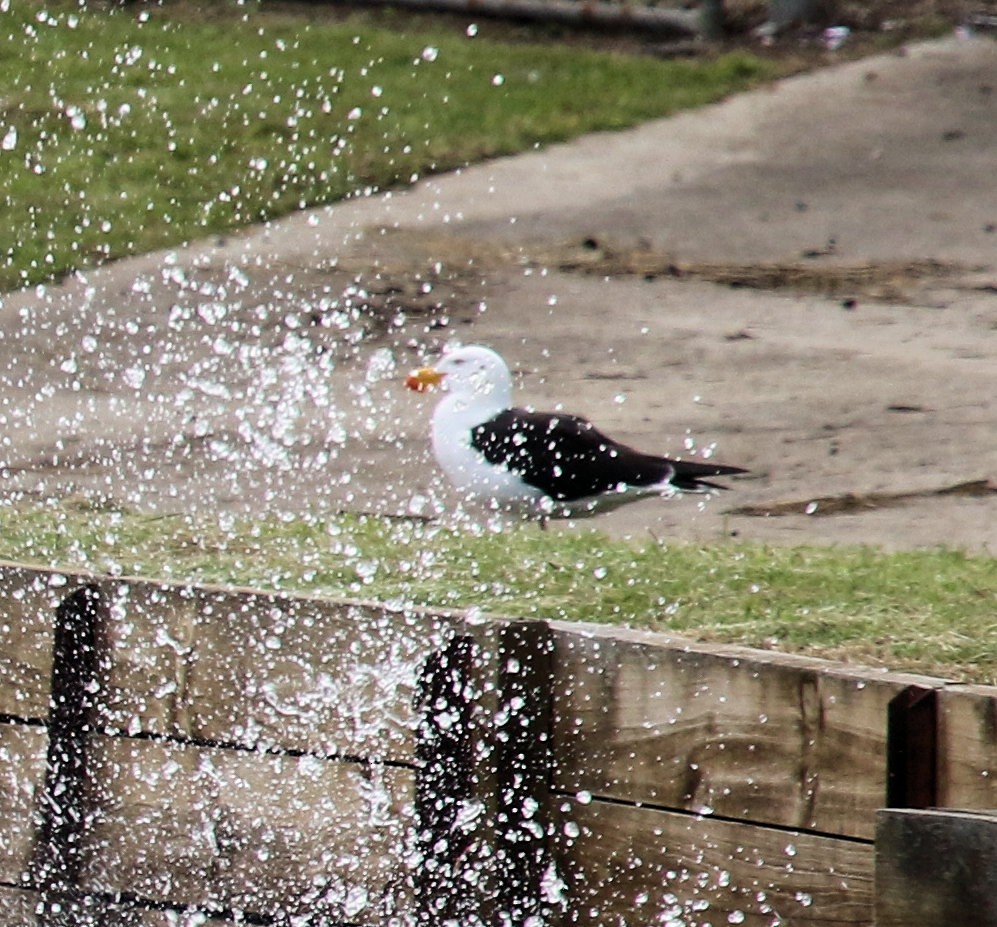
(887, 281)
(851, 503)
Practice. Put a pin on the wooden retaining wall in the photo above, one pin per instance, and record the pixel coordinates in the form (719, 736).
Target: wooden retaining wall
(186, 755)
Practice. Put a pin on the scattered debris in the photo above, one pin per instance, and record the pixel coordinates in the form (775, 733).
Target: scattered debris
(885, 281)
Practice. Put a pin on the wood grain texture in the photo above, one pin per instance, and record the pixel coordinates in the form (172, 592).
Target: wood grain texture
(235, 666)
(935, 869)
(235, 830)
(22, 781)
(230, 665)
(968, 747)
(137, 916)
(751, 735)
(17, 907)
(28, 600)
(624, 865)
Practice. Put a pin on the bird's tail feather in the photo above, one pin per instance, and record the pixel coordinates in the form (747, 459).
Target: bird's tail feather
(689, 475)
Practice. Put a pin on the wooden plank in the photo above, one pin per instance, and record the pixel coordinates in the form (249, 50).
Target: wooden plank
(230, 830)
(620, 864)
(751, 735)
(28, 600)
(138, 916)
(447, 786)
(483, 775)
(262, 670)
(523, 759)
(935, 868)
(78, 652)
(22, 779)
(340, 676)
(967, 775)
(17, 907)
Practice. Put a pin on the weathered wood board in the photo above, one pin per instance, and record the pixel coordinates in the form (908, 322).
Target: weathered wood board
(28, 600)
(767, 737)
(237, 830)
(17, 907)
(968, 747)
(137, 916)
(619, 864)
(234, 666)
(22, 779)
(935, 868)
(230, 665)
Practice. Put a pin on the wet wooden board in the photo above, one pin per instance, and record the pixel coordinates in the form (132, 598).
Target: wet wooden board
(619, 864)
(236, 830)
(22, 778)
(766, 737)
(17, 907)
(28, 600)
(968, 748)
(234, 666)
(230, 665)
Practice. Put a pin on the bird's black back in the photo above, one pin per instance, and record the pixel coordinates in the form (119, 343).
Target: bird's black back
(568, 458)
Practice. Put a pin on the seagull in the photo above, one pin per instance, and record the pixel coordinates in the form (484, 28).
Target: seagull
(549, 464)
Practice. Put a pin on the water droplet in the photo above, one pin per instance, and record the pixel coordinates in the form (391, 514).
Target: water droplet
(134, 377)
(498, 80)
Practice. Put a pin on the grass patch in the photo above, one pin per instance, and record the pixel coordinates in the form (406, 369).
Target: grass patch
(927, 611)
(129, 129)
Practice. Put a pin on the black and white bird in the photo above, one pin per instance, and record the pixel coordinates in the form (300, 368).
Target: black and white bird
(546, 463)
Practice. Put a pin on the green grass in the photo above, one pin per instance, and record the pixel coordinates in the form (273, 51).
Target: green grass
(137, 127)
(928, 611)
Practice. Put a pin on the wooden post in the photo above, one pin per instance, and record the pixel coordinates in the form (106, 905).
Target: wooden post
(712, 18)
(445, 783)
(77, 673)
(483, 777)
(935, 869)
(912, 749)
(523, 761)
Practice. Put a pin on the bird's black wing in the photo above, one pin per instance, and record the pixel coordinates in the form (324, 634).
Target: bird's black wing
(564, 456)
(568, 458)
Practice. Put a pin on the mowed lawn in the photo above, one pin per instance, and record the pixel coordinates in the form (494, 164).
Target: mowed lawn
(128, 128)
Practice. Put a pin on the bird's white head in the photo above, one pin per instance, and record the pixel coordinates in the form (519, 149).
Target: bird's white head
(472, 372)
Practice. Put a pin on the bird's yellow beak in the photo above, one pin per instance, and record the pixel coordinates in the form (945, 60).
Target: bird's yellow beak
(423, 379)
